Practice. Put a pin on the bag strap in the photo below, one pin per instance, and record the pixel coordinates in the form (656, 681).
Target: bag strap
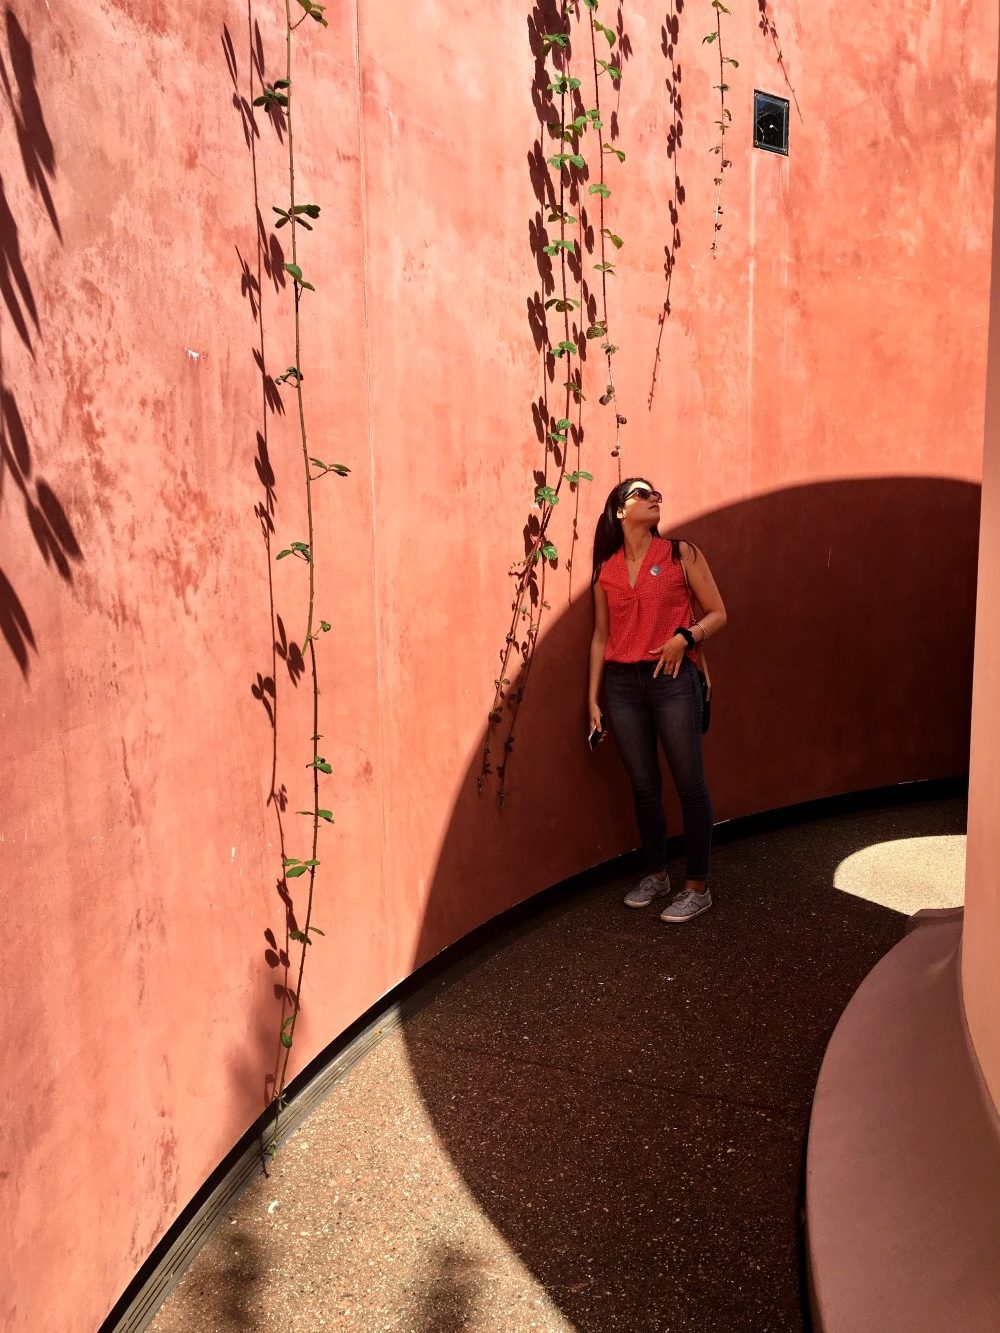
(700, 649)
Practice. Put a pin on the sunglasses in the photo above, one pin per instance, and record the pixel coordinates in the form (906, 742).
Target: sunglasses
(643, 493)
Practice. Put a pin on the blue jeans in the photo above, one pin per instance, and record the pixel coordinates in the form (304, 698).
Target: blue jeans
(641, 710)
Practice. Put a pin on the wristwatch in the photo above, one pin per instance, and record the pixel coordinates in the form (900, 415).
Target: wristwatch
(692, 642)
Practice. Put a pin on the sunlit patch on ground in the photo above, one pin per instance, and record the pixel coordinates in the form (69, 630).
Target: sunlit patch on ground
(907, 874)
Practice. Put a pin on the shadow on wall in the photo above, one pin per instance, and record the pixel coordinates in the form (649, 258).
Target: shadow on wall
(603, 1061)
(47, 521)
(847, 664)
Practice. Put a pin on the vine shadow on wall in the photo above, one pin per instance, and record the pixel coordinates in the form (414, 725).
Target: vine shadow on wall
(47, 521)
(607, 1087)
(262, 279)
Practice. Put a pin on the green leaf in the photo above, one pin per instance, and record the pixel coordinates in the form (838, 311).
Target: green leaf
(311, 210)
(609, 148)
(728, 60)
(270, 98)
(546, 495)
(314, 11)
(325, 814)
(549, 551)
(717, 4)
(291, 860)
(564, 347)
(282, 83)
(605, 267)
(321, 764)
(281, 554)
(548, 39)
(293, 872)
(315, 930)
(600, 189)
(608, 68)
(296, 273)
(598, 330)
(563, 424)
(721, 87)
(558, 160)
(325, 626)
(709, 38)
(616, 241)
(591, 4)
(286, 1040)
(579, 476)
(340, 468)
(299, 935)
(578, 160)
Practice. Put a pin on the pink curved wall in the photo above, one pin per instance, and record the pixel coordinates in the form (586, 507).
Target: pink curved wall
(981, 929)
(816, 422)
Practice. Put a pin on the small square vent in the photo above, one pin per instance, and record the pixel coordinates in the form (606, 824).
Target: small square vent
(770, 123)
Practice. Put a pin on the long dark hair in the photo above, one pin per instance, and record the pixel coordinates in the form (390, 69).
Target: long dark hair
(608, 535)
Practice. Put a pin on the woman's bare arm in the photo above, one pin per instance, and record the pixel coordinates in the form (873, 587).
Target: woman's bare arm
(598, 643)
(704, 591)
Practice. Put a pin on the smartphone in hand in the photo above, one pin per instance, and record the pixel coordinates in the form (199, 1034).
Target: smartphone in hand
(595, 738)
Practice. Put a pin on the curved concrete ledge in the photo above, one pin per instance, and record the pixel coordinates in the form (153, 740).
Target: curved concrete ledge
(903, 1157)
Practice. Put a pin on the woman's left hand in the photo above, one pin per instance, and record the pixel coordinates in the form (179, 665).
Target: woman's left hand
(671, 655)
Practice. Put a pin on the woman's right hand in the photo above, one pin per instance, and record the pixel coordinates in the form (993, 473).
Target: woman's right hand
(594, 713)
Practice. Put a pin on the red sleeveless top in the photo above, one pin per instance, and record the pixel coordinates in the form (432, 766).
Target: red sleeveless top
(643, 618)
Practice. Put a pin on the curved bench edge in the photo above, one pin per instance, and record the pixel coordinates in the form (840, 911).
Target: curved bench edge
(903, 1154)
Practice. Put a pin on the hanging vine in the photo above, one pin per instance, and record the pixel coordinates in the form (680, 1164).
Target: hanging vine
(724, 121)
(567, 298)
(278, 97)
(606, 268)
(670, 35)
(770, 29)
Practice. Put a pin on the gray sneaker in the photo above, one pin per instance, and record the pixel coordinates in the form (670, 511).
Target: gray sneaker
(687, 905)
(646, 890)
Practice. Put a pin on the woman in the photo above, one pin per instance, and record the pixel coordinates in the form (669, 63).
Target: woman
(643, 644)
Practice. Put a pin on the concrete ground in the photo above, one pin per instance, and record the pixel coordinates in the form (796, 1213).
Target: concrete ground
(598, 1123)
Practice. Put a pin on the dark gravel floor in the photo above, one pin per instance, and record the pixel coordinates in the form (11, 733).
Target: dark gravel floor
(598, 1123)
